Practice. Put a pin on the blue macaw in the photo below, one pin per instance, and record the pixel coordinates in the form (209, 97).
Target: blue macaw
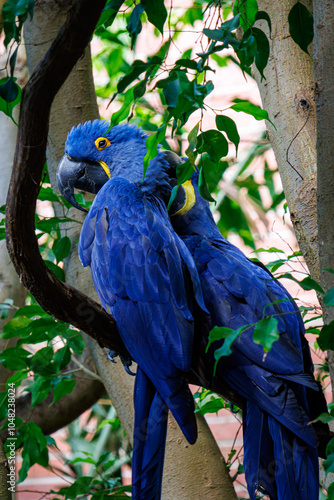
(145, 275)
(279, 393)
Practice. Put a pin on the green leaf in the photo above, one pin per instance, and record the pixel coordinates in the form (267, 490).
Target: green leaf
(214, 143)
(268, 250)
(123, 112)
(34, 448)
(6, 103)
(307, 283)
(324, 418)
(247, 51)
(58, 271)
(329, 462)
(187, 63)
(203, 188)
(329, 298)
(222, 34)
(134, 25)
(81, 486)
(108, 15)
(171, 92)
(262, 49)
(261, 14)
(62, 357)
(152, 143)
(301, 26)
(61, 248)
(247, 10)
(265, 332)
(15, 358)
(211, 403)
(39, 389)
(326, 337)
(47, 194)
(184, 171)
(156, 13)
(330, 492)
(251, 109)
(192, 140)
(227, 125)
(65, 386)
(9, 90)
(137, 68)
(229, 335)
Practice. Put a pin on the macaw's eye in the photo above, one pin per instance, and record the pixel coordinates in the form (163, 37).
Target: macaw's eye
(102, 143)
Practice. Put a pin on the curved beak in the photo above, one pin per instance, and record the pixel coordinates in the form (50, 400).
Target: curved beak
(83, 175)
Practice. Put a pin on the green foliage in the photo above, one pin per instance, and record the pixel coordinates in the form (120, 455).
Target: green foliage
(10, 95)
(209, 402)
(14, 13)
(301, 26)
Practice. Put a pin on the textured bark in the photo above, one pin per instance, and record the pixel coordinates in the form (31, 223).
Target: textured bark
(76, 103)
(324, 78)
(288, 95)
(5, 494)
(197, 471)
(10, 286)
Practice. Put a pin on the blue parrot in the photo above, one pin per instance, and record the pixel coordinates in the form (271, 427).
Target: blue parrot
(145, 275)
(278, 392)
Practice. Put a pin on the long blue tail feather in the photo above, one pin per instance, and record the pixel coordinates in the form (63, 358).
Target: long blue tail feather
(276, 461)
(149, 438)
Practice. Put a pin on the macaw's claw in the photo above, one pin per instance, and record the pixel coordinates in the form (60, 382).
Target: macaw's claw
(127, 362)
(111, 355)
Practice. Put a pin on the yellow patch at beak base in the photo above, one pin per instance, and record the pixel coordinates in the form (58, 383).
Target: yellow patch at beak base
(105, 168)
(190, 198)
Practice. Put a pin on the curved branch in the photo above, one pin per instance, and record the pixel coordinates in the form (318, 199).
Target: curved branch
(59, 299)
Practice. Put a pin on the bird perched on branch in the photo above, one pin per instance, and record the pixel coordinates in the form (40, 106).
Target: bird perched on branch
(148, 276)
(144, 274)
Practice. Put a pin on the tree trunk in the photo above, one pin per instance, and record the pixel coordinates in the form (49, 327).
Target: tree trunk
(324, 78)
(10, 286)
(76, 103)
(5, 493)
(288, 95)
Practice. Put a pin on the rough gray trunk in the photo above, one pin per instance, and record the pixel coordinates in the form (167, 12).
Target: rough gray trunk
(76, 103)
(324, 77)
(288, 95)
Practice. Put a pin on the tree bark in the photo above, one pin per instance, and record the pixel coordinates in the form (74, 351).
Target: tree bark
(10, 286)
(288, 95)
(324, 77)
(5, 494)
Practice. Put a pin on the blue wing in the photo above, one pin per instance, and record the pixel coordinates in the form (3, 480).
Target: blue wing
(145, 275)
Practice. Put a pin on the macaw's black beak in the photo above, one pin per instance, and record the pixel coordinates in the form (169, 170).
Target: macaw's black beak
(83, 175)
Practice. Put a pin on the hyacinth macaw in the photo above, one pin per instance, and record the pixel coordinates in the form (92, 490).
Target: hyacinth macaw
(145, 275)
(279, 391)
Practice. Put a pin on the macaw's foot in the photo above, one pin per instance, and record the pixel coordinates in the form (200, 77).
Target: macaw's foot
(111, 355)
(127, 362)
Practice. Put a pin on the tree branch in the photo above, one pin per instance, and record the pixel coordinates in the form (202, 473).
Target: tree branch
(49, 417)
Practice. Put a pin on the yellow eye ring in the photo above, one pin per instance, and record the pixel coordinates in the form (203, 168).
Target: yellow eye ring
(102, 143)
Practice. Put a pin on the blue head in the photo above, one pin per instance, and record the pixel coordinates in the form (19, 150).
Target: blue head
(94, 154)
